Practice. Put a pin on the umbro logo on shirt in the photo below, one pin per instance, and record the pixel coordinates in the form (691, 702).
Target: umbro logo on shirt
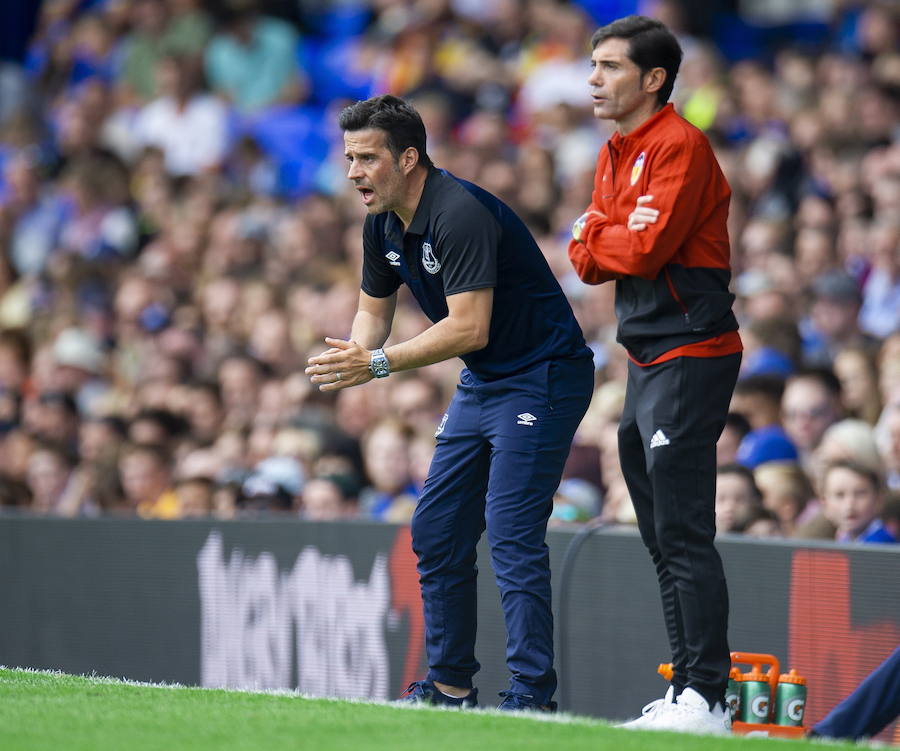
(658, 439)
(393, 258)
(526, 418)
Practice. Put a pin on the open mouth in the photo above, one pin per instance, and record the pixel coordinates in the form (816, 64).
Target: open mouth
(367, 194)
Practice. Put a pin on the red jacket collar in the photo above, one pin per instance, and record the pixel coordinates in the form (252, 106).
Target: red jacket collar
(618, 141)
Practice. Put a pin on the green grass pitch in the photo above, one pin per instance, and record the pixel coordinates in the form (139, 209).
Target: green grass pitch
(41, 710)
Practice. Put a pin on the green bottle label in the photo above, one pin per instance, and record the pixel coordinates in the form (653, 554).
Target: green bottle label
(755, 701)
(790, 702)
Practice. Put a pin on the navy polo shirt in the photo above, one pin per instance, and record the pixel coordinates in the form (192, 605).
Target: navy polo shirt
(463, 238)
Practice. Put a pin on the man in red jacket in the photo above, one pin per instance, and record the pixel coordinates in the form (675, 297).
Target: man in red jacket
(657, 226)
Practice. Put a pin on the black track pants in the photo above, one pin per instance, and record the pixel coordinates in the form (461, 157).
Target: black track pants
(673, 415)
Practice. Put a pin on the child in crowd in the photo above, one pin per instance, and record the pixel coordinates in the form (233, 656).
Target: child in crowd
(852, 501)
(737, 498)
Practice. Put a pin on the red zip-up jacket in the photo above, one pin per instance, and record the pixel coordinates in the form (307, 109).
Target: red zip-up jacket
(672, 278)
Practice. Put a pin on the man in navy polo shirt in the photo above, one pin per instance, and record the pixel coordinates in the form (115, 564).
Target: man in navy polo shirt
(479, 276)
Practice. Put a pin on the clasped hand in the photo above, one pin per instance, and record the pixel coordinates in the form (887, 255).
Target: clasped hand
(344, 364)
(637, 219)
(642, 214)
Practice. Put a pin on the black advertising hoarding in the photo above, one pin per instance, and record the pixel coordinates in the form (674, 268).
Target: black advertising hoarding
(334, 609)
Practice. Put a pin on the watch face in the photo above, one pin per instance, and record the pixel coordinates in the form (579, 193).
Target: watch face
(379, 365)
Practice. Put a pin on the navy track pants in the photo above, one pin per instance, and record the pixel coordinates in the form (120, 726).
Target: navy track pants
(500, 453)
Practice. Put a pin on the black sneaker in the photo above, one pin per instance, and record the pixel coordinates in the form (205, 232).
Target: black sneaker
(425, 692)
(513, 702)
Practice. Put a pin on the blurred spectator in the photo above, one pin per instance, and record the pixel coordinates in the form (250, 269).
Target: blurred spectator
(269, 341)
(391, 495)
(737, 498)
(204, 411)
(329, 498)
(857, 371)
(147, 482)
(852, 500)
(36, 214)
(195, 496)
(99, 226)
(160, 27)
(53, 416)
(811, 402)
(556, 75)
(240, 381)
(80, 367)
(833, 323)
(100, 440)
(271, 487)
(49, 472)
(190, 128)
(252, 62)
(787, 493)
(760, 299)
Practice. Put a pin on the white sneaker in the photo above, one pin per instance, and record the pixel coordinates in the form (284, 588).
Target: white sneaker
(690, 713)
(650, 712)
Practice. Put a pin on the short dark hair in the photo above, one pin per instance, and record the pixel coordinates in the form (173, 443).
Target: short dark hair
(402, 125)
(650, 45)
(763, 384)
(824, 376)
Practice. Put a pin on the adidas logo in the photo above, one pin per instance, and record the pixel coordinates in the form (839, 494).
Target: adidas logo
(658, 439)
(393, 258)
(526, 418)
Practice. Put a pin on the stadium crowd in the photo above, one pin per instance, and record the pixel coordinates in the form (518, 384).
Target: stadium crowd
(178, 237)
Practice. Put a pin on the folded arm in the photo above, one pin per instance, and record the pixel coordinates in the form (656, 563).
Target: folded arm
(656, 228)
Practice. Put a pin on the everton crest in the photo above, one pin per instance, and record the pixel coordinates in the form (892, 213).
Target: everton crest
(429, 259)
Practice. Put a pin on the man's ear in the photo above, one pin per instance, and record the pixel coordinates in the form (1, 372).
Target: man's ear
(408, 160)
(654, 80)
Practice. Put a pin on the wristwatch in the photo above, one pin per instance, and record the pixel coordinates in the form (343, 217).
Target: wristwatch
(578, 227)
(379, 365)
